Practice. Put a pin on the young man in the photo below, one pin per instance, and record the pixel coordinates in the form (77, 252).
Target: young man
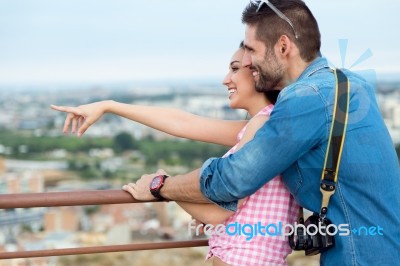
(282, 45)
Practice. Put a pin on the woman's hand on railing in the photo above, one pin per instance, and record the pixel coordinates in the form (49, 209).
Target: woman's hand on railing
(80, 118)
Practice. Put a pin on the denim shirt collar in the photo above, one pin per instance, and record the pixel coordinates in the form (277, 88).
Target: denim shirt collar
(318, 64)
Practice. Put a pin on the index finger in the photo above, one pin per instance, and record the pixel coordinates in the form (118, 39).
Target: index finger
(58, 108)
(67, 109)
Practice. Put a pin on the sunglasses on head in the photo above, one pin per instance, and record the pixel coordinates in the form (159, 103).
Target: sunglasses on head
(279, 13)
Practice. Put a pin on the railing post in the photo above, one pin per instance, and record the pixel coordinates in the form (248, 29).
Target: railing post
(79, 198)
(74, 198)
(102, 249)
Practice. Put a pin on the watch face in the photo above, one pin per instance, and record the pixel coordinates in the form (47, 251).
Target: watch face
(156, 182)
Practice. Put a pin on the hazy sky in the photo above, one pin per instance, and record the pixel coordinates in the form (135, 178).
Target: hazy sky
(44, 41)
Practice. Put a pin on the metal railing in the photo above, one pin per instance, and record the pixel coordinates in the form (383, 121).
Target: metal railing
(80, 198)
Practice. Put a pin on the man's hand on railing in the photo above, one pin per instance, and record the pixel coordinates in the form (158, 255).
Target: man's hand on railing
(141, 189)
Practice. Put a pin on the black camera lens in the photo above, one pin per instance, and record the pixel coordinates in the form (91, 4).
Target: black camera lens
(310, 238)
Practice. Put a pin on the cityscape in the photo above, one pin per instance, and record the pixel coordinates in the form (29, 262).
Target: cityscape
(41, 162)
(168, 53)
(23, 171)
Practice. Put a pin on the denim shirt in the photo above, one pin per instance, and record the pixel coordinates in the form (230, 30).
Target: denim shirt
(293, 143)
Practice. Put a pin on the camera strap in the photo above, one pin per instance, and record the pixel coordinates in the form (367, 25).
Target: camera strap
(336, 140)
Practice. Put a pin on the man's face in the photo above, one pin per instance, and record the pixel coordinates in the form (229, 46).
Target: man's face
(268, 72)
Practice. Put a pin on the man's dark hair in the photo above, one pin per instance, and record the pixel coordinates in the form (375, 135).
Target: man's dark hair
(270, 26)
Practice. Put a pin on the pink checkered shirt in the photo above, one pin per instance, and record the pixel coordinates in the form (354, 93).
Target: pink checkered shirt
(271, 204)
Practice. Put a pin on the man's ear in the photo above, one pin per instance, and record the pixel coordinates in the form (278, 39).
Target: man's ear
(284, 46)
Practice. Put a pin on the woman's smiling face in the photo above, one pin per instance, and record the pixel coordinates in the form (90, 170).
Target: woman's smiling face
(241, 85)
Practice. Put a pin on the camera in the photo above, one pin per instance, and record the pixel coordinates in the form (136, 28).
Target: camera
(313, 235)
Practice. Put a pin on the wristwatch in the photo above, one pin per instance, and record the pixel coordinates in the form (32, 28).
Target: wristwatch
(156, 184)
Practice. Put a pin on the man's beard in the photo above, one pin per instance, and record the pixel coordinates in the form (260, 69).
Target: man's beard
(272, 79)
(268, 82)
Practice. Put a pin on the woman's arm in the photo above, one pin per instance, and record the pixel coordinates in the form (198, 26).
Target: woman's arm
(207, 213)
(169, 120)
(212, 213)
(180, 123)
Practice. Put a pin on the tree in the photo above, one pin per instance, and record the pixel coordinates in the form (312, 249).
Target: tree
(123, 142)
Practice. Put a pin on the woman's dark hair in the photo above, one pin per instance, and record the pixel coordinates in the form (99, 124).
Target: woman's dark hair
(271, 95)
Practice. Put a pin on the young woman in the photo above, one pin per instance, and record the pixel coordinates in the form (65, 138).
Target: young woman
(270, 205)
